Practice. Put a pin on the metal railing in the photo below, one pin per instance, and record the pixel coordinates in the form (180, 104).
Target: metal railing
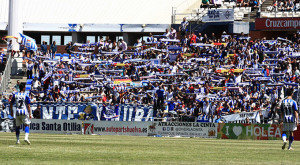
(196, 16)
(5, 76)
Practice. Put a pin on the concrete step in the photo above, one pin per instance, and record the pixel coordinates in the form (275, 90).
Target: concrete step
(13, 82)
(17, 66)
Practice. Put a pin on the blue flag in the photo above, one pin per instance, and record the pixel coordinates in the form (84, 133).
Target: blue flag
(28, 42)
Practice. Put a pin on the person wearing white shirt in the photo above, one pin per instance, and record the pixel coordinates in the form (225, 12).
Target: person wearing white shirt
(123, 45)
(255, 64)
(173, 34)
(174, 69)
(206, 105)
(167, 33)
(169, 94)
(297, 72)
(150, 38)
(289, 70)
(138, 43)
(36, 84)
(56, 82)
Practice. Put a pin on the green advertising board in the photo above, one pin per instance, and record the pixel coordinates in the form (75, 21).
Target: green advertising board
(249, 131)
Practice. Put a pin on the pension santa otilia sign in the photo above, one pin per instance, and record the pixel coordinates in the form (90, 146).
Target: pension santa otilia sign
(277, 23)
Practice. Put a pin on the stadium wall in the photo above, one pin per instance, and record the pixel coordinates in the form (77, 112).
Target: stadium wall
(275, 27)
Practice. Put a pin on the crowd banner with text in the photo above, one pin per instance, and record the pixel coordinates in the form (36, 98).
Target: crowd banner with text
(253, 117)
(55, 126)
(91, 111)
(249, 131)
(116, 128)
(183, 129)
(219, 15)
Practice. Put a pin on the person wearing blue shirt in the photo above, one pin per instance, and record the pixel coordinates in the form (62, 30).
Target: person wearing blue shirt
(226, 109)
(218, 120)
(160, 97)
(171, 105)
(53, 49)
(44, 48)
(150, 38)
(23, 112)
(289, 118)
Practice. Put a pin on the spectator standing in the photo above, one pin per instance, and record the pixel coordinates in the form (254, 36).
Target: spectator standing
(1, 105)
(17, 86)
(29, 69)
(44, 48)
(69, 48)
(183, 27)
(167, 33)
(138, 43)
(9, 46)
(53, 49)
(193, 38)
(173, 34)
(37, 113)
(150, 38)
(160, 97)
(21, 47)
(122, 45)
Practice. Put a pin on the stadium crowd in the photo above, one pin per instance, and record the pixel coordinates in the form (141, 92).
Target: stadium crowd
(199, 75)
(254, 4)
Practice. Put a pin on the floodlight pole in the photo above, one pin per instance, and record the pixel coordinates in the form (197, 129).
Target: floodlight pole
(15, 23)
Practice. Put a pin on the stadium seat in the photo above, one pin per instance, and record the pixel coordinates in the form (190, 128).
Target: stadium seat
(248, 9)
(242, 9)
(266, 15)
(28, 87)
(297, 14)
(291, 14)
(279, 14)
(29, 82)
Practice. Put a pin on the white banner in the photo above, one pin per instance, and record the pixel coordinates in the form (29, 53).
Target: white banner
(184, 129)
(218, 15)
(55, 126)
(253, 117)
(116, 128)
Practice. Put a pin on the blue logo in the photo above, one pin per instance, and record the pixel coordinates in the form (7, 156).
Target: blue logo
(72, 27)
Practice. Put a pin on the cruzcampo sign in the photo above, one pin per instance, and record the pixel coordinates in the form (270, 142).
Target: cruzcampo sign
(249, 131)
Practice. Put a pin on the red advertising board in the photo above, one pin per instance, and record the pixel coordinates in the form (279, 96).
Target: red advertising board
(277, 23)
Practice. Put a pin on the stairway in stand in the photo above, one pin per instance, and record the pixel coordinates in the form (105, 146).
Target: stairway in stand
(253, 13)
(13, 82)
(266, 4)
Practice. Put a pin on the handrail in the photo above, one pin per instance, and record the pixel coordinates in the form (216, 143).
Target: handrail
(5, 77)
